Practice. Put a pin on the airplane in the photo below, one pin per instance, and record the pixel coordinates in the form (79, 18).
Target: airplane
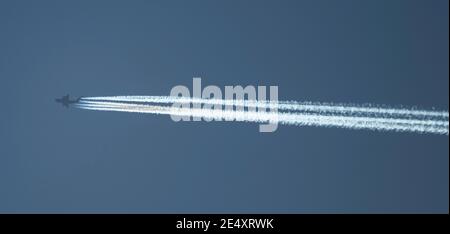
(65, 100)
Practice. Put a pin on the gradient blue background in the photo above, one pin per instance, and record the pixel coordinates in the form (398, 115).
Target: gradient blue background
(54, 159)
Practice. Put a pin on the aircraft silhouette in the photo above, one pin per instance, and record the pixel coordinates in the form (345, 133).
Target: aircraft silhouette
(65, 100)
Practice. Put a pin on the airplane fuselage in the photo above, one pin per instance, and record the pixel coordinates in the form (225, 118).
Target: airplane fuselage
(65, 101)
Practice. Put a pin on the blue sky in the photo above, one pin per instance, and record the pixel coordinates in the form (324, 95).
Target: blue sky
(54, 159)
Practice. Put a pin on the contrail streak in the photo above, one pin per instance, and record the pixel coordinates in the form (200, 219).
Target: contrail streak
(300, 114)
(280, 105)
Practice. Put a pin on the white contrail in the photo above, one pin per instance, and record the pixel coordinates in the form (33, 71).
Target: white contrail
(282, 105)
(421, 123)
